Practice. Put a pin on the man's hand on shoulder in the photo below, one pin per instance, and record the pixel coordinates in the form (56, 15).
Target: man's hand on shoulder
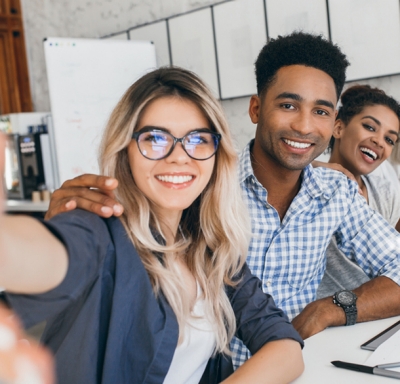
(317, 316)
(92, 193)
(336, 167)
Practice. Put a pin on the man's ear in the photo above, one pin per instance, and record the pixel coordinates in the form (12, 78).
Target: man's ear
(254, 108)
(338, 129)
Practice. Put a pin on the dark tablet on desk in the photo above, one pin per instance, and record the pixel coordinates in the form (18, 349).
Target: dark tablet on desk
(377, 340)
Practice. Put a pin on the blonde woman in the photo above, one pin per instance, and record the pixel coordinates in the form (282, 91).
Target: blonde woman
(156, 295)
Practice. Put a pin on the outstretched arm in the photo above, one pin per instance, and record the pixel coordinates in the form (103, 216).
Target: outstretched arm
(279, 361)
(32, 260)
(91, 193)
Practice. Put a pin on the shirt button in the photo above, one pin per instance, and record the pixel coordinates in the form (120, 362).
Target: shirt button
(267, 206)
(268, 283)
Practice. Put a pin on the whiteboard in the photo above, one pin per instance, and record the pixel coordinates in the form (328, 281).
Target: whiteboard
(240, 33)
(368, 31)
(192, 45)
(157, 33)
(286, 16)
(86, 79)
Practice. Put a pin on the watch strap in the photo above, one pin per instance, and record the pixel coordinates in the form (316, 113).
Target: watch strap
(351, 314)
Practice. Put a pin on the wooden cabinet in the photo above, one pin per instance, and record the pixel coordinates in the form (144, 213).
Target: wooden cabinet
(15, 95)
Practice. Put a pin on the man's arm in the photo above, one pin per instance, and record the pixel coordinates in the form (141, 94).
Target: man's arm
(378, 298)
(92, 193)
(367, 239)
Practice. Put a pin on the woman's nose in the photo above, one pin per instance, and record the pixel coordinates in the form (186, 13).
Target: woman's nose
(178, 154)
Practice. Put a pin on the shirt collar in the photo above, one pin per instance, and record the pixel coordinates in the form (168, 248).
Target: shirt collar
(245, 168)
(312, 182)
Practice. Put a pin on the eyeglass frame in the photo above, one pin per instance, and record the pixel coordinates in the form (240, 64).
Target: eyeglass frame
(135, 136)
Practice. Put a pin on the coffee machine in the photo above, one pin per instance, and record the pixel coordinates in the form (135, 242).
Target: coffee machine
(24, 166)
(28, 165)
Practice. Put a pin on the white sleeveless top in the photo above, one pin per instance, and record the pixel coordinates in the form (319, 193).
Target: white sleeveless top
(192, 355)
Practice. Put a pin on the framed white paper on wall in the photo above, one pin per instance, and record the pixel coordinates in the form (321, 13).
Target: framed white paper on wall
(157, 33)
(192, 45)
(368, 31)
(286, 16)
(240, 33)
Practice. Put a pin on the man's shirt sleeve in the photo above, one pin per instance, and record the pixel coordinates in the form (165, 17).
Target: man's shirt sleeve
(365, 237)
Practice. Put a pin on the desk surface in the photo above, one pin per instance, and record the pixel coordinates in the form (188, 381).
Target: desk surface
(26, 206)
(341, 343)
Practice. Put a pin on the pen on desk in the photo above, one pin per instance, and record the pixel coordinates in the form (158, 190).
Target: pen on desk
(366, 369)
(389, 365)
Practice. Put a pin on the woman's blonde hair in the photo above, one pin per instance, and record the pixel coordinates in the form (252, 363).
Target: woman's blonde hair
(214, 230)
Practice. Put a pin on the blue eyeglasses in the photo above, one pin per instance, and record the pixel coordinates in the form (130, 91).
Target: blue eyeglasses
(156, 144)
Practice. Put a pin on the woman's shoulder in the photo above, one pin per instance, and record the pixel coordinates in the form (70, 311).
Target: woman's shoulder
(383, 197)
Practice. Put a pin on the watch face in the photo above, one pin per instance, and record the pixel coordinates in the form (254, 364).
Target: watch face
(345, 298)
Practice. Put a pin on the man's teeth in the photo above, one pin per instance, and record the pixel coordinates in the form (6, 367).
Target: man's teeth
(296, 144)
(175, 179)
(369, 152)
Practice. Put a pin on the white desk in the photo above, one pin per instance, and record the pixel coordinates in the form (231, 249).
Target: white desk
(26, 206)
(341, 343)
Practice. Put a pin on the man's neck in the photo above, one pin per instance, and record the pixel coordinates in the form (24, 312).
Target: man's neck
(281, 183)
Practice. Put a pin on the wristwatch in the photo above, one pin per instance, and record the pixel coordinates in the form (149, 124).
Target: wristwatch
(347, 300)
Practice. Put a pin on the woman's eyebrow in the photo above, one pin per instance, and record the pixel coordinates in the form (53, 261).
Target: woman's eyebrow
(372, 118)
(154, 127)
(150, 127)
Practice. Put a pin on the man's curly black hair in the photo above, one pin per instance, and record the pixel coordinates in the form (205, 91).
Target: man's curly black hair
(303, 49)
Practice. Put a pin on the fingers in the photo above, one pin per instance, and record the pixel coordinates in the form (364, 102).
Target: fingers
(104, 183)
(92, 200)
(346, 172)
(334, 166)
(90, 192)
(20, 357)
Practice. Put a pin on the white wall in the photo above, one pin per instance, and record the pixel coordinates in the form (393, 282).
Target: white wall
(95, 18)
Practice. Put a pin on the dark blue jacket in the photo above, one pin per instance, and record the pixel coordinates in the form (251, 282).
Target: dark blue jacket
(104, 323)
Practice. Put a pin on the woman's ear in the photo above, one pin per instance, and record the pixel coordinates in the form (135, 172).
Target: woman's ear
(338, 129)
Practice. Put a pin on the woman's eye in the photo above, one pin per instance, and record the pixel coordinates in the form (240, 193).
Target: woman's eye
(368, 127)
(198, 139)
(159, 139)
(390, 141)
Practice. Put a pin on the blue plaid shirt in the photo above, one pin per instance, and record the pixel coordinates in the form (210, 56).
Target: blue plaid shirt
(289, 256)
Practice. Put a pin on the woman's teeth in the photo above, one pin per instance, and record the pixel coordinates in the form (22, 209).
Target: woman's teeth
(369, 152)
(175, 179)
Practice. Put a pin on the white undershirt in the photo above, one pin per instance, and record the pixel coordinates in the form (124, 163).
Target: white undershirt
(191, 356)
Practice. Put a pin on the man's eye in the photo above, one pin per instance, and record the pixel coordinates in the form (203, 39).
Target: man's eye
(287, 106)
(321, 112)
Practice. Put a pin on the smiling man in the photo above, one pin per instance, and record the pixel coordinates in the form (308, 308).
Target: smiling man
(295, 209)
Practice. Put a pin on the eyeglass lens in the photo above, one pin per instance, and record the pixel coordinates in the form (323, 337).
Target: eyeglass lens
(157, 144)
